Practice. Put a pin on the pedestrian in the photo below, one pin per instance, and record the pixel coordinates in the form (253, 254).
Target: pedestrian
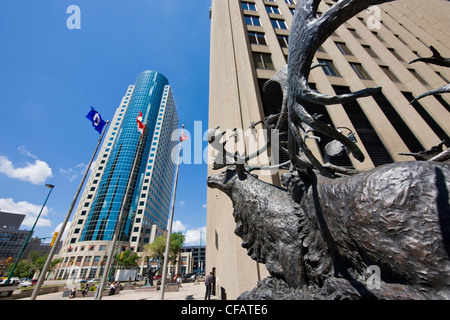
(112, 289)
(208, 283)
(86, 290)
(73, 292)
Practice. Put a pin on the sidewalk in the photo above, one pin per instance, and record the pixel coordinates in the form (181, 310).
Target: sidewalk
(188, 291)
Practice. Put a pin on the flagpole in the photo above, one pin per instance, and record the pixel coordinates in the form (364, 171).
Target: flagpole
(63, 226)
(169, 230)
(117, 230)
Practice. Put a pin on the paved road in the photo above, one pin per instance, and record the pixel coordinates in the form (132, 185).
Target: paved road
(188, 291)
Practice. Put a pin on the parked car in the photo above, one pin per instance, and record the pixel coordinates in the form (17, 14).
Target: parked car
(80, 281)
(13, 280)
(189, 277)
(25, 283)
(95, 280)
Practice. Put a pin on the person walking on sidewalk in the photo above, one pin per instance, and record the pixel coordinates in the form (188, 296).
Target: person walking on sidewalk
(208, 282)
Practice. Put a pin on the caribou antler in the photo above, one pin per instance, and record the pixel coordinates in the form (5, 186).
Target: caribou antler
(436, 59)
(308, 32)
(225, 158)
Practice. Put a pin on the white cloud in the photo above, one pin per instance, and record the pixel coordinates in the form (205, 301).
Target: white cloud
(204, 205)
(66, 229)
(178, 226)
(182, 203)
(30, 210)
(73, 173)
(36, 172)
(192, 237)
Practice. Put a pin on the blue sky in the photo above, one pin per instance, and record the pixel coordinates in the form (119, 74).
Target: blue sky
(51, 75)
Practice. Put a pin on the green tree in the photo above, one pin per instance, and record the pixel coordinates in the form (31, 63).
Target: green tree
(24, 269)
(176, 244)
(127, 259)
(155, 250)
(27, 267)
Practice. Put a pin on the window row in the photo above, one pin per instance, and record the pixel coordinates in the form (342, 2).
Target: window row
(330, 70)
(255, 21)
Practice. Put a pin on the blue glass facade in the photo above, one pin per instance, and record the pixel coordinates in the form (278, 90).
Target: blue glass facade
(104, 211)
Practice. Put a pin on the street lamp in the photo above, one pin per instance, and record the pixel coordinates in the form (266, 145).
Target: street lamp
(50, 186)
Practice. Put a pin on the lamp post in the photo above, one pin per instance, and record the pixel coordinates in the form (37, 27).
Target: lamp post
(50, 186)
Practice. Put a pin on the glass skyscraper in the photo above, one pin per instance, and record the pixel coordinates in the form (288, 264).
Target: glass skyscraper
(146, 208)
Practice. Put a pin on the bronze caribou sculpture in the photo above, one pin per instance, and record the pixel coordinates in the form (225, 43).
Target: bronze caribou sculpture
(320, 234)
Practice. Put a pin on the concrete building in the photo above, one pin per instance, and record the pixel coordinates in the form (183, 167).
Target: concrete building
(147, 206)
(249, 43)
(196, 264)
(11, 238)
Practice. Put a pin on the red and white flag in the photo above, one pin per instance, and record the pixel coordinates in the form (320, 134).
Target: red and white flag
(183, 136)
(140, 124)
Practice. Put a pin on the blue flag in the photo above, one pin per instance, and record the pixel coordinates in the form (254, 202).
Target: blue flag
(97, 122)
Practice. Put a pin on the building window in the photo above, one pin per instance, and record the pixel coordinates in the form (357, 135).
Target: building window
(252, 21)
(248, 6)
(418, 76)
(378, 153)
(398, 123)
(378, 36)
(272, 9)
(442, 76)
(343, 48)
(354, 33)
(263, 61)
(360, 71)
(427, 117)
(283, 41)
(278, 24)
(401, 40)
(328, 68)
(290, 1)
(396, 54)
(257, 38)
(370, 51)
(389, 73)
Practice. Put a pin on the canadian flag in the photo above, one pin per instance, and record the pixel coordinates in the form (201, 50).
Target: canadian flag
(183, 136)
(140, 124)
